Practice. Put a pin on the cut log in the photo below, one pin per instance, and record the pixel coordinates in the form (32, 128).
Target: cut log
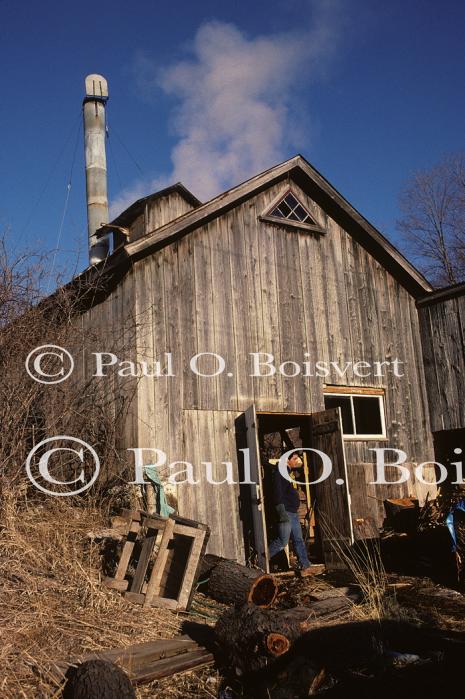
(235, 584)
(250, 637)
(98, 679)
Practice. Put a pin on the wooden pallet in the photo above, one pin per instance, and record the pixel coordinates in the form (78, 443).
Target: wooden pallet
(175, 546)
(143, 662)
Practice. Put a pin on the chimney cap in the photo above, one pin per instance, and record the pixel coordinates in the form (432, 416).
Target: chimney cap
(96, 87)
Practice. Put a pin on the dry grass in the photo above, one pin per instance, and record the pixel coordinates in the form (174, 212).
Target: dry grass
(365, 564)
(53, 605)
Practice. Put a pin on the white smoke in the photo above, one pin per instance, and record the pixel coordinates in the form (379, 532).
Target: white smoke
(239, 102)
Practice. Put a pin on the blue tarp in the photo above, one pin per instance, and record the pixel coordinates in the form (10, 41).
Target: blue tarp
(460, 505)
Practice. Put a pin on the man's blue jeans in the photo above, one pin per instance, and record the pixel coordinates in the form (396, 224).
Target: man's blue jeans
(285, 530)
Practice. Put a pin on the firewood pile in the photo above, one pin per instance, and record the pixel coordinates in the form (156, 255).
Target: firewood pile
(417, 540)
(363, 659)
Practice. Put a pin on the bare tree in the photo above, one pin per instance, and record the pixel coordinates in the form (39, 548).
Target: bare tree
(94, 410)
(433, 220)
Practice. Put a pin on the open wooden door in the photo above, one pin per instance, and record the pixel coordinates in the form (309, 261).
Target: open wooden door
(332, 495)
(256, 494)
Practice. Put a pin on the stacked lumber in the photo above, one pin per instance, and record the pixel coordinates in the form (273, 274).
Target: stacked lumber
(144, 662)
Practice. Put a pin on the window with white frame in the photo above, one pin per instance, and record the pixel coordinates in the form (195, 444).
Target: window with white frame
(362, 414)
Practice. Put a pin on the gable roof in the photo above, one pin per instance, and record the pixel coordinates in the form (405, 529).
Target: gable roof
(306, 177)
(319, 189)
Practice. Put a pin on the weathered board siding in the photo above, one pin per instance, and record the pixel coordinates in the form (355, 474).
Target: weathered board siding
(158, 212)
(238, 285)
(442, 332)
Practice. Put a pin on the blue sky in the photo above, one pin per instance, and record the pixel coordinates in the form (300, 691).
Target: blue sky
(213, 92)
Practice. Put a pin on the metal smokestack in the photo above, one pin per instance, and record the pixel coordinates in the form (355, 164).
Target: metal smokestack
(96, 164)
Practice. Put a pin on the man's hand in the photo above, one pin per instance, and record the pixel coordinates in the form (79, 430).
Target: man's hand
(282, 514)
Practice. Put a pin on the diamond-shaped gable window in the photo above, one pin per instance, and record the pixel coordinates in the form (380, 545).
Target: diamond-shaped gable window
(291, 209)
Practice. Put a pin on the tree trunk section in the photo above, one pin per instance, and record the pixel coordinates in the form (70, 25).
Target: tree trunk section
(251, 637)
(232, 583)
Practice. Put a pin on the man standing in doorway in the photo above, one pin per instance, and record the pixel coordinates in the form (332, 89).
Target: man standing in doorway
(286, 501)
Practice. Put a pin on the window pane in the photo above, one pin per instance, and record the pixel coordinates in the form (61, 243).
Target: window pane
(367, 415)
(284, 208)
(291, 200)
(342, 402)
(277, 212)
(301, 213)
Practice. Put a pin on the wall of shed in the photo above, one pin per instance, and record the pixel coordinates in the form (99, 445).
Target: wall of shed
(158, 212)
(442, 330)
(237, 285)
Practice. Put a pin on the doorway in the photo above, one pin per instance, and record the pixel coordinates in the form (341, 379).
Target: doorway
(324, 510)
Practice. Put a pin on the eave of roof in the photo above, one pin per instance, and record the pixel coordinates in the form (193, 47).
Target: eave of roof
(444, 294)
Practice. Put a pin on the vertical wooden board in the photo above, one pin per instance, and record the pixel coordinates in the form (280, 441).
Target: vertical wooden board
(107, 346)
(153, 215)
(144, 560)
(429, 365)
(270, 388)
(162, 385)
(350, 261)
(205, 321)
(393, 402)
(222, 313)
(165, 209)
(251, 227)
(130, 384)
(115, 348)
(364, 517)
(120, 382)
(460, 308)
(191, 498)
(220, 494)
(451, 371)
(172, 323)
(421, 439)
(190, 572)
(338, 308)
(188, 345)
(332, 498)
(227, 493)
(291, 322)
(407, 381)
(244, 309)
(235, 491)
(334, 303)
(153, 586)
(397, 434)
(145, 353)
(374, 345)
(320, 348)
(208, 491)
(307, 244)
(256, 490)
